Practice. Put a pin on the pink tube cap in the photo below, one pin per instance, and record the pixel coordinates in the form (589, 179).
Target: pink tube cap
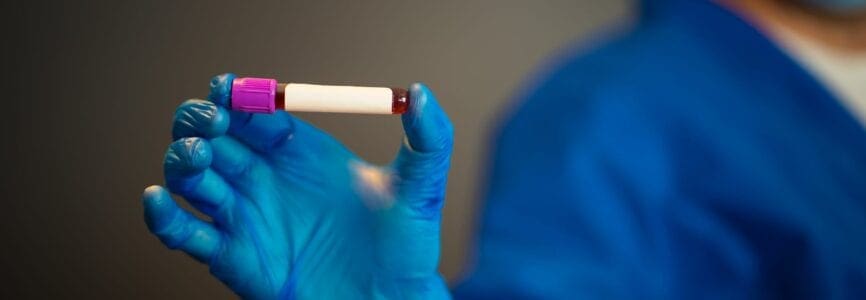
(252, 94)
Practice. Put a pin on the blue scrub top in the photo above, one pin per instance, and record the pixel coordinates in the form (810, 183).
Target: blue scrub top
(687, 158)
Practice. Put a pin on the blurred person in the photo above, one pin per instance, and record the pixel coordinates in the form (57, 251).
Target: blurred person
(711, 150)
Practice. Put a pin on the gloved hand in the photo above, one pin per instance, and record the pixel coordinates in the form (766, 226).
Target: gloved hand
(297, 215)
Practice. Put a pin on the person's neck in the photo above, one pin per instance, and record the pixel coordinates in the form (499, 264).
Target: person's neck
(846, 33)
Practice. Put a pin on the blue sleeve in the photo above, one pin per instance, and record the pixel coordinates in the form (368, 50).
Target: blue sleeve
(582, 204)
(561, 217)
(675, 162)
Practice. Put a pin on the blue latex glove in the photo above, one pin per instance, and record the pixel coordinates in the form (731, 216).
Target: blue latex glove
(297, 215)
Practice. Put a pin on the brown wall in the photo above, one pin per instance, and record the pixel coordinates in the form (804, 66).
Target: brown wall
(90, 91)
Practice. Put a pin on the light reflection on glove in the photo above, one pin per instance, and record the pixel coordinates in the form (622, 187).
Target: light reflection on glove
(297, 215)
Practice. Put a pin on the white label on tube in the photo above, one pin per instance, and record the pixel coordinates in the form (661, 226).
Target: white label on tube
(335, 98)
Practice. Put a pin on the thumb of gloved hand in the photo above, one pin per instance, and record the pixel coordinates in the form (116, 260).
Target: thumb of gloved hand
(423, 161)
(420, 175)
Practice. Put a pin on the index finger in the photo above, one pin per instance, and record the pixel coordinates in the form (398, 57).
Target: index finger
(221, 88)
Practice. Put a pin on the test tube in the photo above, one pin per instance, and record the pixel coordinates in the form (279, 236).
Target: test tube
(265, 95)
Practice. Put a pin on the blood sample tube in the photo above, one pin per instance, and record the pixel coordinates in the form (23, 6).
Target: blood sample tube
(265, 95)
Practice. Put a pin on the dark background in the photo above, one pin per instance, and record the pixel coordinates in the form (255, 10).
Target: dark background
(90, 88)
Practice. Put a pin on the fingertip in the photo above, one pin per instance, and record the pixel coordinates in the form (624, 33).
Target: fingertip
(202, 118)
(420, 95)
(426, 125)
(158, 206)
(152, 192)
(220, 89)
(187, 155)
